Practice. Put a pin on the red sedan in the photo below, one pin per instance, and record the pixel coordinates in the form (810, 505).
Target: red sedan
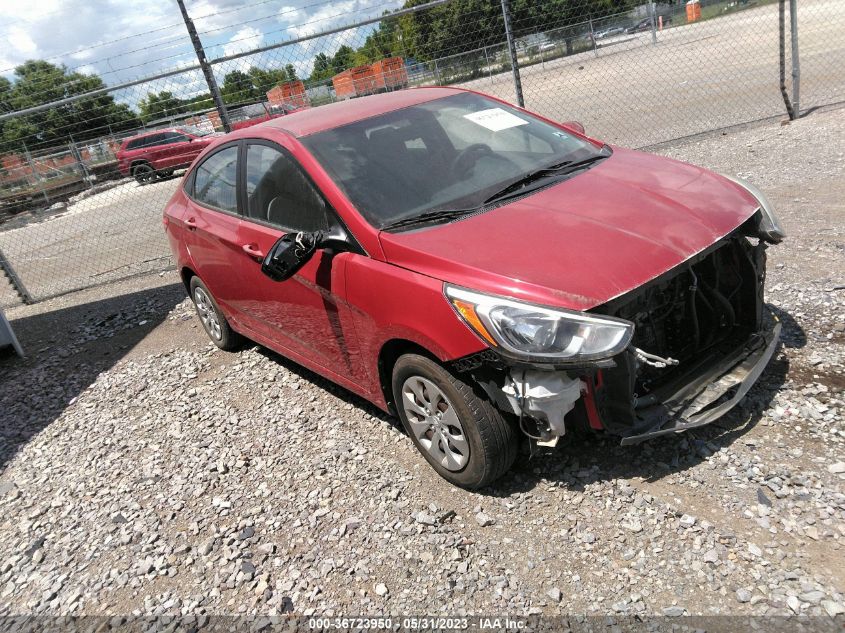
(490, 276)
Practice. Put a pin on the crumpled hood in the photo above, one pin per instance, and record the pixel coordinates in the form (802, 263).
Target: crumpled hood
(585, 240)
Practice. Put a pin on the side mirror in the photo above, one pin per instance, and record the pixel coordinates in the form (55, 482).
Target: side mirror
(293, 250)
(575, 126)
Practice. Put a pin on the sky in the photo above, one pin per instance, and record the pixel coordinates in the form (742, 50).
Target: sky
(121, 40)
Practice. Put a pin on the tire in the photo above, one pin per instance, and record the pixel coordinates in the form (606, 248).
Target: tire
(212, 319)
(479, 450)
(143, 173)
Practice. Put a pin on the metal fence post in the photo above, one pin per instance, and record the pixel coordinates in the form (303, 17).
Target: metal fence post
(593, 38)
(35, 173)
(796, 62)
(77, 156)
(10, 274)
(651, 19)
(487, 62)
(517, 82)
(206, 68)
(437, 74)
(782, 58)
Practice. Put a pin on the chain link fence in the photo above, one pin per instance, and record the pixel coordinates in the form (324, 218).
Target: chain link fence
(83, 181)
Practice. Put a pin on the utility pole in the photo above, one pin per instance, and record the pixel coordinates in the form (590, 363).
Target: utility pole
(206, 67)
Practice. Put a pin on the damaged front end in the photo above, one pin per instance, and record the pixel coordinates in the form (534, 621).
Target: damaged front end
(700, 336)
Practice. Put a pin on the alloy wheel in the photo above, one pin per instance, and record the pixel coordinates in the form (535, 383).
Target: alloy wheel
(207, 314)
(435, 423)
(143, 173)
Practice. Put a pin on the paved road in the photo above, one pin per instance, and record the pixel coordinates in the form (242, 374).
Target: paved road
(111, 235)
(697, 78)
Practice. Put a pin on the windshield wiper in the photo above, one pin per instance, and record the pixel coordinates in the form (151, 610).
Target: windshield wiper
(427, 217)
(559, 169)
(513, 189)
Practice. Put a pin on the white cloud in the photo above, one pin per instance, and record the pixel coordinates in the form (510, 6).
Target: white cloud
(21, 42)
(122, 41)
(245, 38)
(324, 18)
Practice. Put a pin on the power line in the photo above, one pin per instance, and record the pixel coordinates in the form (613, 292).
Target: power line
(243, 54)
(322, 19)
(168, 43)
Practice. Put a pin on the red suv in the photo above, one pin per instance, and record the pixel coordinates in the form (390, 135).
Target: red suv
(489, 275)
(159, 153)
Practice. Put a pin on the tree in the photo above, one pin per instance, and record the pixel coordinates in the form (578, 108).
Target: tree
(37, 82)
(464, 26)
(291, 72)
(322, 68)
(264, 80)
(157, 106)
(5, 99)
(238, 87)
(343, 59)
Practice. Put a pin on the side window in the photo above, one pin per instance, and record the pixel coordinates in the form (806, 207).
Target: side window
(279, 192)
(215, 180)
(153, 139)
(175, 137)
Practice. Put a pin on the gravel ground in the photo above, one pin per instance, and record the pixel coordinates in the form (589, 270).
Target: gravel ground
(144, 471)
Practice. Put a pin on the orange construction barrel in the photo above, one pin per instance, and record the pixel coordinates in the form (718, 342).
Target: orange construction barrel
(693, 10)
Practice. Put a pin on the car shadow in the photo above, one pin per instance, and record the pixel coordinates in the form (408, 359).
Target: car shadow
(327, 385)
(66, 350)
(585, 458)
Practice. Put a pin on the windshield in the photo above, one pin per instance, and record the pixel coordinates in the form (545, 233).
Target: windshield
(195, 130)
(450, 153)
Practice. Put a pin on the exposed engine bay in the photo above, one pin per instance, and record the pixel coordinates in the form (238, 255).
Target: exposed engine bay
(701, 338)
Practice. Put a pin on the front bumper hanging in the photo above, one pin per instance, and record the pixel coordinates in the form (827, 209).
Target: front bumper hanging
(707, 394)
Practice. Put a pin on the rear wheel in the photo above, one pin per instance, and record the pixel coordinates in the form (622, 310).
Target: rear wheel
(143, 173)
(461, 434)
(212, 319)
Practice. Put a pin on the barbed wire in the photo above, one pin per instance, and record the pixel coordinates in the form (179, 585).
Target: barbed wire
(188, 52)
(633, 77)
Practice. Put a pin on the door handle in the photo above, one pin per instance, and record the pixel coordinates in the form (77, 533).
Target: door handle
(191, 223)
(253, 251)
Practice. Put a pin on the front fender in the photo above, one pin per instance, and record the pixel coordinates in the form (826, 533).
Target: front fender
(391, 303)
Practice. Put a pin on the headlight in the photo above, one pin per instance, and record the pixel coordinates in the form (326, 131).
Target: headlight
(536, 332)
(769, 227)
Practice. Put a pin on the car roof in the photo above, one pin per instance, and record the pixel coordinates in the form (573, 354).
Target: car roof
(151, 132)
(312, 120)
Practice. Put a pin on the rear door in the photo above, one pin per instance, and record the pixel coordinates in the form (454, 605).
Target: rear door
(307, 314)
(155, 149)
(210, 225)
(178, 150)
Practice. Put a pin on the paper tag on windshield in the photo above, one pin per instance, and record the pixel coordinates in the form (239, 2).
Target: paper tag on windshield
(495, 119)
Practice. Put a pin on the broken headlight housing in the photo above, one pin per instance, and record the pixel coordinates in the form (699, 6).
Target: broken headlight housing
(532, 332)
(768, 225)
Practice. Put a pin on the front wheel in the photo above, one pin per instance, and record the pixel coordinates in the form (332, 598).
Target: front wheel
(461, 434)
